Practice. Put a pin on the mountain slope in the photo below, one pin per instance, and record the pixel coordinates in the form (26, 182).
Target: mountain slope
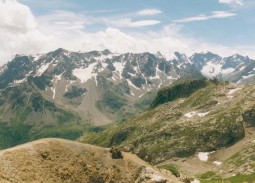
(57, 160)
(209, 119)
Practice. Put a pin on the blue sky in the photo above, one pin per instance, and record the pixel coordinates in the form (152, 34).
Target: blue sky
(236, 29)
(223, 26)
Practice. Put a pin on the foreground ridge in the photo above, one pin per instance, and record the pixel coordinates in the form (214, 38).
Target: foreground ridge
(58, 160)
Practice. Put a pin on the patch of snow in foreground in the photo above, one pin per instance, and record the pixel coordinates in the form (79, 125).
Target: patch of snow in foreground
(203, 156)
(202, 114)
(190, 114)
(193, 113)
(230, 92)
(153, 175)
(195, 181)
(217, 163)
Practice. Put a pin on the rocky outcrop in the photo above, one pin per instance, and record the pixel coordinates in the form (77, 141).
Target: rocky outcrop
(249, 117)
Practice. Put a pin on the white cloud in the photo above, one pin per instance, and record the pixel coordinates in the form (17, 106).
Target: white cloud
(215, 14)
(64, 20)
(149, 12)
(66, 30)
(127, 22)
(232, 2)
(15, 17)
(18, 32)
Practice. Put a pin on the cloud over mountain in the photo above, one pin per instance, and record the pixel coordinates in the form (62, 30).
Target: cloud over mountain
(24, 33)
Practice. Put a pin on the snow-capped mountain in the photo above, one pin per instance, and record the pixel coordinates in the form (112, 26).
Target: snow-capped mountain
(212, 65)
(68, 86)
(62, 93)
(96, 84)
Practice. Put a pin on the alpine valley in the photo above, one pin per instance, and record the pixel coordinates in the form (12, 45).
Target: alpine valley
(193, 118)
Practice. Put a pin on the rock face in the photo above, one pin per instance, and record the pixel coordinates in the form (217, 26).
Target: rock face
(57, 160)
(249, 117)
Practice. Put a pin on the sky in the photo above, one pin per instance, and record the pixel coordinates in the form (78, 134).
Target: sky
(225, 27)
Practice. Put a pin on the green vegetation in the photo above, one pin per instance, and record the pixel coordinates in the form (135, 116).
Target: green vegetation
(138, 81)
(111, 101)
(210, 175)
(253, 157)
(34, 117)
(178, 90)
(172, 168)
(69, 131)
(13, 134)
(17, 133)
(133, 109)
(75, 92)
(235, 179)
(165, 132)
(41, 81)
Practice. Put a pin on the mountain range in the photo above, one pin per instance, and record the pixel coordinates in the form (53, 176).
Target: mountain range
(64, 93)
(192, 117)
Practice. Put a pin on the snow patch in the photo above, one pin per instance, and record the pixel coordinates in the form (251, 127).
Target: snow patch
(54, 92)
(42, 69)
(227, 71)
(203, 156)
(230, 92)
(195, 181)
(211, 69)
(141, 95)
(67, 86)
(36, 57)
(131, 84)
(153, 175)
(119, 66)
(190, 114)
(55, 81)
(218, 163)
(249, 76)
(104, 57)
(172, 78)
(171, 56)
(20, 81)
(84, 74)
(157, 75)
(202, 114)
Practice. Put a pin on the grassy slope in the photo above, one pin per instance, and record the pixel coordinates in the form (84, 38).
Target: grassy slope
(164, 132)
(26, 115)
